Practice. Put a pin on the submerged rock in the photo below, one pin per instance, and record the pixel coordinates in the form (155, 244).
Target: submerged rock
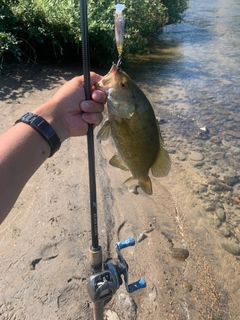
(231, 247)
(196, 156)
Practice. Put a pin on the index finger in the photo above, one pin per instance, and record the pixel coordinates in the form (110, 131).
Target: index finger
(94, 78)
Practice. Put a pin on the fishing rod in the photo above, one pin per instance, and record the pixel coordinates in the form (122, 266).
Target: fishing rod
(95, 251)
(103, 283)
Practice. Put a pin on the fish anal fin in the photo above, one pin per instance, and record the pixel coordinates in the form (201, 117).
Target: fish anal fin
(115, 161)
(105, 131)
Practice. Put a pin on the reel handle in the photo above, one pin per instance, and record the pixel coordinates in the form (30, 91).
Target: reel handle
(129, 242)
(140, 284)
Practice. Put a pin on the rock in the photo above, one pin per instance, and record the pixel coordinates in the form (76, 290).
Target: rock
(221, 214)
(141, 237)
(181, 156)
(188, 286)
(231, 180)
(210, 207)
(127, 306)
(200, 188)
(180, 254)
(225, 231)
(220, 187)
(153, 294)
(215, 139)
(231, 247)
(198, 163)
(111, 315)
(196, 156)
(217, 222)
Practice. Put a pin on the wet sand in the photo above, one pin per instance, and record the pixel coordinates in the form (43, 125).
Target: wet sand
(45, 239)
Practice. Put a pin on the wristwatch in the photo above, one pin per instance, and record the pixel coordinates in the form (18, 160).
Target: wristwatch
(43, 128)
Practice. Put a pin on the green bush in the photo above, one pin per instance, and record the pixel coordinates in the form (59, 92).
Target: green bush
(51, 28)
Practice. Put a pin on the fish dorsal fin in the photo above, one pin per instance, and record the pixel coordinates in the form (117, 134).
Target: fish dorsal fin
(104, 132)
(115, 161)
(162, 164)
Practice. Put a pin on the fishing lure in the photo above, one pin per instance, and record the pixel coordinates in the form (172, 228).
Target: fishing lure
(119, 30)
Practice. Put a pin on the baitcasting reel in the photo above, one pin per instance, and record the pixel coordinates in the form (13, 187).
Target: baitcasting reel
(103, 285)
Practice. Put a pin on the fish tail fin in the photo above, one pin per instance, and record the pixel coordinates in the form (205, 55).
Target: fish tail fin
(146, 185)
(162, 164)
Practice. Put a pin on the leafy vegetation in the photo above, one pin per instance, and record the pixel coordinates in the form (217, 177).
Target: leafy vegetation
(50, 29)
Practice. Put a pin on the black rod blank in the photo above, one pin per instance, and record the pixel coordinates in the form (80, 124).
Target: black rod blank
(90, 137)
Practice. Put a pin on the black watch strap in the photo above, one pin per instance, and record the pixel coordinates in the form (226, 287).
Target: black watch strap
(43, 128)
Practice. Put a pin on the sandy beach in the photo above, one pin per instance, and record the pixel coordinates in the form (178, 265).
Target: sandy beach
(45, 239)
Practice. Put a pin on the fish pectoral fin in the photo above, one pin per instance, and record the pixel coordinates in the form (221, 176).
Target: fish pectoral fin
(144, 183)
(162, 164)
(115, 161)
(104, 132)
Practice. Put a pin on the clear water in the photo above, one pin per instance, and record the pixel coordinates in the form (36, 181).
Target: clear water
(192, 77)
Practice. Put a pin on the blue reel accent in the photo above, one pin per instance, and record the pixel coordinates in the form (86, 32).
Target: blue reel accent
(126, 243)
(141, 283)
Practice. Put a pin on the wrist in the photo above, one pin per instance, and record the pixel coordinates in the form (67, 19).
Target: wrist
(54, 118)
(43, 128)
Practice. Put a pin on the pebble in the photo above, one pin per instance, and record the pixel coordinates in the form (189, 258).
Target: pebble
(141, 237)
(128, 306)
(231, 180)
(220, 187)
(217, 222)
(180, 254)
(111, 315)
(221, 214)
(198, 163)
(181, 156)
(225, 232)
(215, 139)
(200, 188)
(231, 247)
(188, 286)
(196, 156)
(210, 207)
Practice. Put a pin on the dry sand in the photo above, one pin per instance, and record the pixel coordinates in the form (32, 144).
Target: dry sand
(45, 239)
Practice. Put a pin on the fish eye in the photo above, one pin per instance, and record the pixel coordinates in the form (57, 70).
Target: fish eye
(123, 85)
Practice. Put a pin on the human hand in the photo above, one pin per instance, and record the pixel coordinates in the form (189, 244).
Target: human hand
(69, 113)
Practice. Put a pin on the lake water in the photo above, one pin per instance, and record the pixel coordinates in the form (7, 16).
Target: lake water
(192, 76)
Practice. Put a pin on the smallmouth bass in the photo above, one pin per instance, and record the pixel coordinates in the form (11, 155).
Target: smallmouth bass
(134, 129)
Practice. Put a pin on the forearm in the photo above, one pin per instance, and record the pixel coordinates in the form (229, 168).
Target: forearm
(23, 143)
(23, 150)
